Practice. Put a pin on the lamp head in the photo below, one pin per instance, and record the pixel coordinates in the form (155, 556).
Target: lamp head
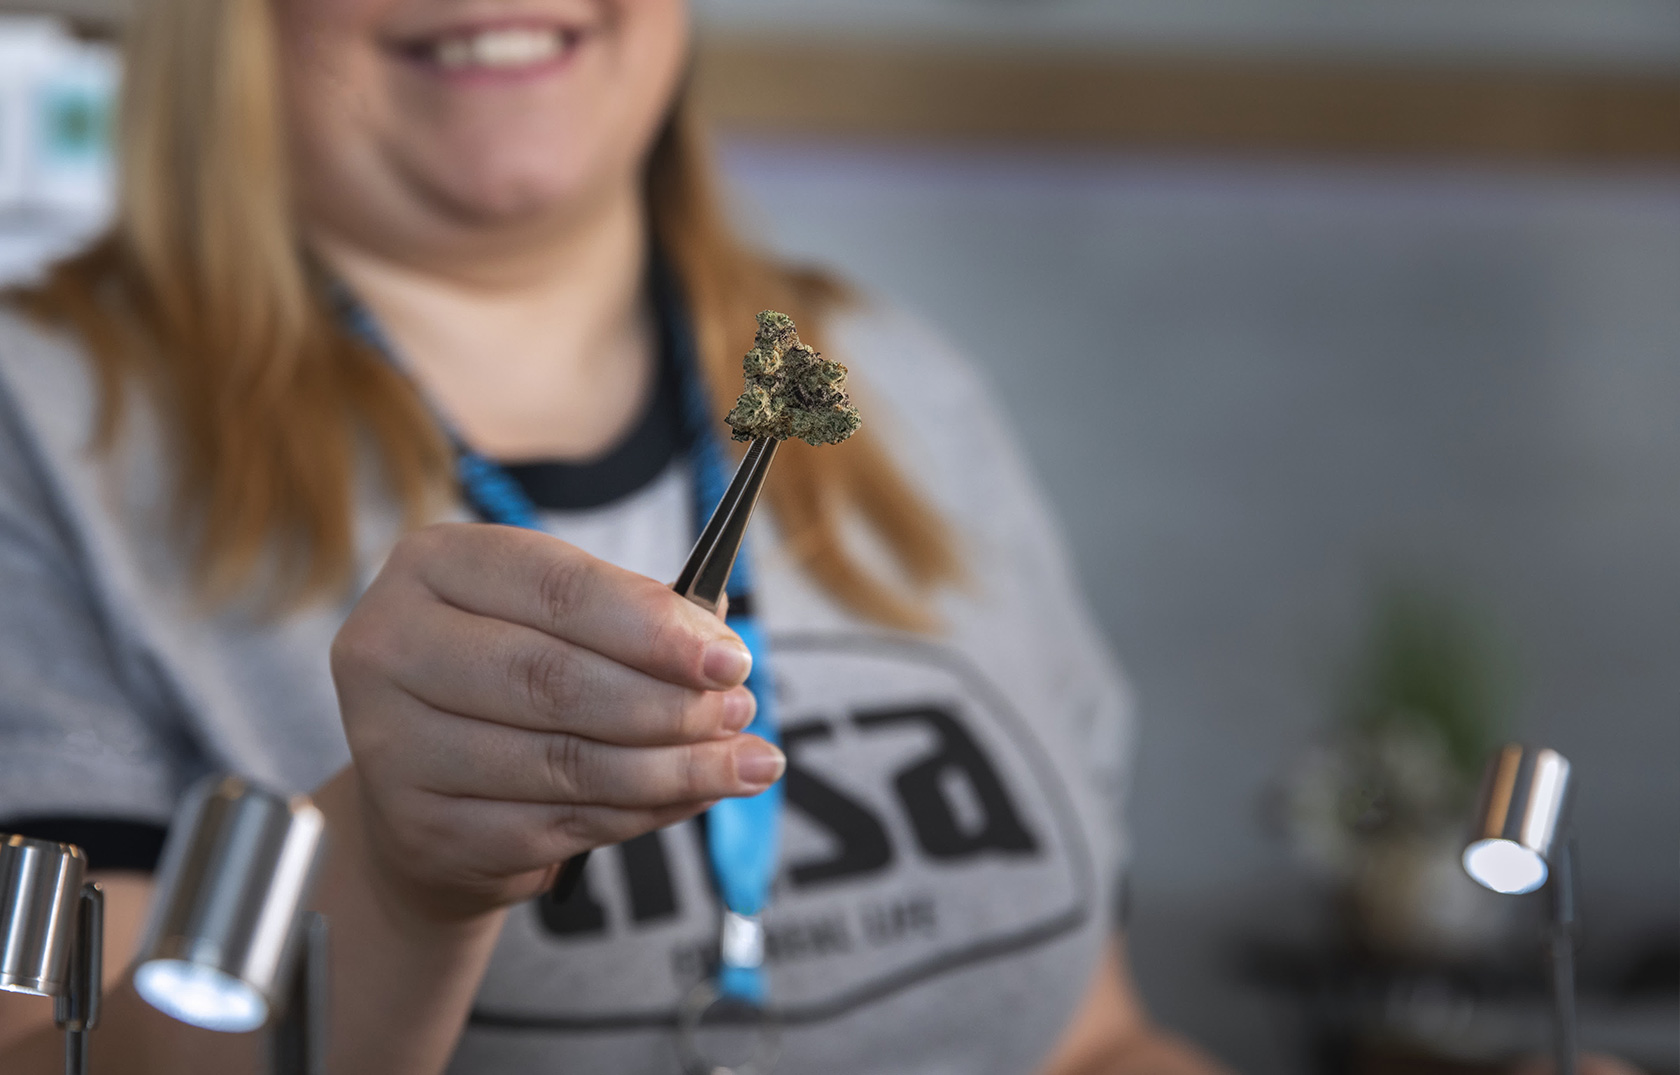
(232, 886)
(40, 890)
(1525, 794)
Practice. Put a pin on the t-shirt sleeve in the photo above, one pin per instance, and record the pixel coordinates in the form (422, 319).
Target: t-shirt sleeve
(78, 739)
(108, 843)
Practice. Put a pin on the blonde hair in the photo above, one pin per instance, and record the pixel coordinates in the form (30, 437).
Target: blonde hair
(204, 292)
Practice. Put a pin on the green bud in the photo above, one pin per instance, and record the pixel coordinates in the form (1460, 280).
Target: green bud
(791, 390)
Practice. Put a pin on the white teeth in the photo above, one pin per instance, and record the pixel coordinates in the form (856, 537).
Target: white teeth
(501, 49)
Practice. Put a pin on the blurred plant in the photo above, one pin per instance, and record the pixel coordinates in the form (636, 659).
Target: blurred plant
(1420, 712)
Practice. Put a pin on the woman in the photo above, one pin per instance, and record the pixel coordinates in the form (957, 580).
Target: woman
(358, 237)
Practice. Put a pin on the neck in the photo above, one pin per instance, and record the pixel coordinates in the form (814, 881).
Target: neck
(544, 352)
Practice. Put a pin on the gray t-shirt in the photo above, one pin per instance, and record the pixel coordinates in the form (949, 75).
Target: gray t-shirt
(953, 836)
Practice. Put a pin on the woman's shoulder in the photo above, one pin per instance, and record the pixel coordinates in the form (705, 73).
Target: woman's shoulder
(56, 447)
(905, 360)
(46, 376)
(935, 409)
(25, 332)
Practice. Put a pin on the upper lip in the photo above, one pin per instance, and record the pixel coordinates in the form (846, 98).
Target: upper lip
(421, 35)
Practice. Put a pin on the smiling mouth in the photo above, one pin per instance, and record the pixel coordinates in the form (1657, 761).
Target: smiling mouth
(502, 49)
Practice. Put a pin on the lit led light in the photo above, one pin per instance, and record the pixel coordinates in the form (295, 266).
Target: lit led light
(232, 887)
(199, 995)
(1504, 866)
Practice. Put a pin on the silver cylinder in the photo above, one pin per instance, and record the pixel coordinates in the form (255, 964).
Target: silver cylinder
(1525, 794)
(1519, 817)
(235, 875)
(40, 892)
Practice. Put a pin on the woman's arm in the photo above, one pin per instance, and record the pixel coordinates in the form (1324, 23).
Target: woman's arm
(402, 985)
(126, 897)
(403, 981)
(1112, 1035)
(509, 702)
(133, 1038)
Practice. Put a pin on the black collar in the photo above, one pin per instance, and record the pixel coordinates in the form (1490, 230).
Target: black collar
(657, 437)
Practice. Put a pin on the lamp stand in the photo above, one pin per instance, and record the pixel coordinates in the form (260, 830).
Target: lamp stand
(1560, 944)
(299, 1038)
(77, 1009)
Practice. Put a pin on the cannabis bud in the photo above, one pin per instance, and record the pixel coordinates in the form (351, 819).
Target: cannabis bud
(791, 391)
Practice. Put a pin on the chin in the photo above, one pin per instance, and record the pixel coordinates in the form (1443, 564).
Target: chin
(500, 197)
(527, 180)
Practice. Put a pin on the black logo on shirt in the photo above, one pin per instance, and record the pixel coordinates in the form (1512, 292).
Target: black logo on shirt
(927, 828)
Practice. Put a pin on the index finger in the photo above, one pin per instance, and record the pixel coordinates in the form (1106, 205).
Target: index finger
(530, 578)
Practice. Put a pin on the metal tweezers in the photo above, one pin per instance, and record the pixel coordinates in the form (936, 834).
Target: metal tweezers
(702, 579)
(706, 573)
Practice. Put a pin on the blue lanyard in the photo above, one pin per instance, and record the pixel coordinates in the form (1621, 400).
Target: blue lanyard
(741, 834)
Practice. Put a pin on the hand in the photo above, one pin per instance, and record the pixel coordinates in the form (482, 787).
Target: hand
(511, 701)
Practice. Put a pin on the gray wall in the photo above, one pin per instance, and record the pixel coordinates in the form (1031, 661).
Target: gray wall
(1284, 385)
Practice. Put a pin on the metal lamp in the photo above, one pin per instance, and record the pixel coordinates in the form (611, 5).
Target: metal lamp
(229, 915)
(52, 926)
(1518, 844)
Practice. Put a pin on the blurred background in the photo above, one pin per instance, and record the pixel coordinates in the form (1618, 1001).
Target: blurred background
(1346, 340)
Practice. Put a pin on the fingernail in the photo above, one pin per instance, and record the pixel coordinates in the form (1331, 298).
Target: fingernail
(726, 662)
(758, 764)
(739, 707)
